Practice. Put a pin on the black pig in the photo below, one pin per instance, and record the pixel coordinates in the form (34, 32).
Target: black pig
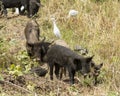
(59, 56)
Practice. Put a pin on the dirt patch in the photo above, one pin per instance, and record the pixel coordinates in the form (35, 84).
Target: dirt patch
(41, 85)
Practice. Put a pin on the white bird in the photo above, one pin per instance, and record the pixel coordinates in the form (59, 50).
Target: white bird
(56, 29)
(72, 13)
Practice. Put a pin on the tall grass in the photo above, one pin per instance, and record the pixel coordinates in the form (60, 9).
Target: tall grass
(96, 27)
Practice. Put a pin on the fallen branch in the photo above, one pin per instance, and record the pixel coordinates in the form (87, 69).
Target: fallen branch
(14, 85)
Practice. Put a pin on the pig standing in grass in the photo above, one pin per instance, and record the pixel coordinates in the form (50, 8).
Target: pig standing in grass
(59, 56)
(32, 34)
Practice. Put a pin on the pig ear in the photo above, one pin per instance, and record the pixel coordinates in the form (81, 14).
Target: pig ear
(100, 65)
(43, 49)
(51, 43)
(89, 58)
(30, 45)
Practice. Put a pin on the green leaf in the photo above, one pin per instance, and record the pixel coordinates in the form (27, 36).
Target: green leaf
(12, 67)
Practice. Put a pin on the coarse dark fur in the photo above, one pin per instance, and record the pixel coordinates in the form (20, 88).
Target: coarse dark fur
(62, 43)
(59, 56)
(39, 49)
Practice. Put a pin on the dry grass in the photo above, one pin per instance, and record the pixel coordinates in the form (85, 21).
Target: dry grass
(96, 27)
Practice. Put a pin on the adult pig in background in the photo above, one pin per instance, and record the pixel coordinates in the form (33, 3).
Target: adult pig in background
(32, 34)
(31, 6)
(34, 6)
(13, 4)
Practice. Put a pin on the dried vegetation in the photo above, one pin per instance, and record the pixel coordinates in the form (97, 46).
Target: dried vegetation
(96, 27)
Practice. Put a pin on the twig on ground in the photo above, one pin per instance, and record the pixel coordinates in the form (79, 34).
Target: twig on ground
(14, 85)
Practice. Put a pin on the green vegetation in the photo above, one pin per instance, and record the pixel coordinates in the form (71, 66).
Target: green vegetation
(96, 27)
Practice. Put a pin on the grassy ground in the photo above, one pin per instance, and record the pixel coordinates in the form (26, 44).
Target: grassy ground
(96, 27)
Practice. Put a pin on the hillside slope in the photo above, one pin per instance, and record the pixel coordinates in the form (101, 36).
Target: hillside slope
(96, 27)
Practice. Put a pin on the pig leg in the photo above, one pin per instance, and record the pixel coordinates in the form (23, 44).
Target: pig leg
(71, 75)
(57, 68)
(51, 71)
